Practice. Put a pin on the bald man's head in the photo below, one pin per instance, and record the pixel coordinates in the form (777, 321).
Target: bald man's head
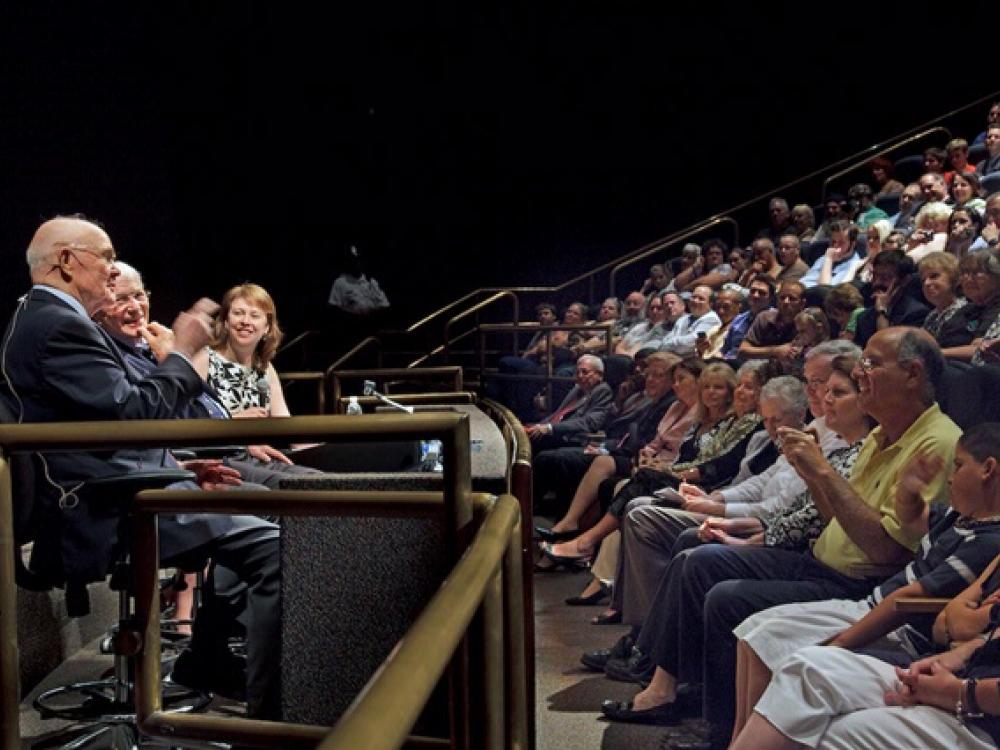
(75, 256)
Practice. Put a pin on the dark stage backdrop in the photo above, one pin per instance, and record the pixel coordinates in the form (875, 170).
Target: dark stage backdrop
(458, 145)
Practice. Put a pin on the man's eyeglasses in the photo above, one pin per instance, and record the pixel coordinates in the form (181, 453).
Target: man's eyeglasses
(107, 254)
(867, 364)
(140, 296)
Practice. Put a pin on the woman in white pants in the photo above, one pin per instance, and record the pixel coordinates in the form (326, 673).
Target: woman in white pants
(831, 698)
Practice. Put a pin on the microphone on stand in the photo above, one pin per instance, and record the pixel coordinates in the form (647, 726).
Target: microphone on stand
(264, 389)
(369, 390)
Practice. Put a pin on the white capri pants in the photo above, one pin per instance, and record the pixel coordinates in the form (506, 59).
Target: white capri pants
(833, 699)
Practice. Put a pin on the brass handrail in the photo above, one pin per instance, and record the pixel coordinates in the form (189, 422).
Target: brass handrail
(305, 376)
(878, 150)
(292, 342)
(475, 572)
(671, 240)
(476, 308)
(353, 351)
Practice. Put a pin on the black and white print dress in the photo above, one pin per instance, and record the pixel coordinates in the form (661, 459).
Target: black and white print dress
(236, 384)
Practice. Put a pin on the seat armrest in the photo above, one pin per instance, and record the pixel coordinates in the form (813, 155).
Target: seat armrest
(120, 489)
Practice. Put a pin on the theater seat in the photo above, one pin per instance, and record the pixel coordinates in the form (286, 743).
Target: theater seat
(909, 168)
(888, 203)
(990, 183)
(967, 393)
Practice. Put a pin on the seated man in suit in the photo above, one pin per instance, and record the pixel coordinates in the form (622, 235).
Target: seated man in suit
(584, 409)
(58, 365)
(127, 320)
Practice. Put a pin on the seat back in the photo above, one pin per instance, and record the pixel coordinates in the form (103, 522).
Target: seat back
(888, 203)
(909, 168)
(966, 393)
(990, 183)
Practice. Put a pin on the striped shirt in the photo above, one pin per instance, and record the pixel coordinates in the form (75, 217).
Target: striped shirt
(951, 556)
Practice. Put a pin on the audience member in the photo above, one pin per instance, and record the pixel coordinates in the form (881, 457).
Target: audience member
(833, 210)
(866, 212)
(966, 192)
(647, 334)
(656, 282)
(909, 201)
(993, 116)
(844, 305)
(710, 269)
(893, 304)
(780, 219)
(935, 160)
(839, 263)
(701, 319)
(803, 222)
(939, 279)
(979, 273)
(991, 163)
(773, 330)
(932, 187)
(793, 267)
(958, 159)
(964, 226)
(585, 409)
(764, 262)
(989, 236)
(876, 234)
(882, 175)
(728, 304)
(931, 230)
(761, 297)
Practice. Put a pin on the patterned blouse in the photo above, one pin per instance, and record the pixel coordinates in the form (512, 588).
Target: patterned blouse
(937, 318)
(237, 385)
(800, 523)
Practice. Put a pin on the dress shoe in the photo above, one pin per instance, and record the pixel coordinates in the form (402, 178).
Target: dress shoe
(594, 599)
(613, 618)
(223, 675)
(573, 563)
(636, 667)
(664, 715)
(596, 660)
(549, 535)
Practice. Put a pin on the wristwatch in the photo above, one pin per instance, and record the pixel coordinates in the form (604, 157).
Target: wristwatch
(967, 707)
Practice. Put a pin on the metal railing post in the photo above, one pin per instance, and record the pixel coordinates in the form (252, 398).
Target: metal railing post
(9, 673)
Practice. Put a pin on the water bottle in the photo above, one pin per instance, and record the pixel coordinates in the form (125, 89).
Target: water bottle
(353, 407)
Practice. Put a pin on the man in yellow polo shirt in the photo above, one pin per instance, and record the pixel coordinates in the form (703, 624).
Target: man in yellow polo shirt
(710, 590)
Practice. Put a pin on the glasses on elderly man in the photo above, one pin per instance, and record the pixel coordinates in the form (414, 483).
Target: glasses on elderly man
(106, 254)
(139, 296)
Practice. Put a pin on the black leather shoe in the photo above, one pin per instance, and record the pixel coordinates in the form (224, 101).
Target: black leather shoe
(571, 563)
(636, 667)
(594, 599)
(549, 535)
(596, 660)
(602, 619)
(663, 715)
(225, 676)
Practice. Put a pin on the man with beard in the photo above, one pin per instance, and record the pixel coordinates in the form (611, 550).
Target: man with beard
(892, 304)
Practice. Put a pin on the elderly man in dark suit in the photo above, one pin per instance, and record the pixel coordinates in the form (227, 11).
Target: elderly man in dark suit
(59, 366)
(585, 408)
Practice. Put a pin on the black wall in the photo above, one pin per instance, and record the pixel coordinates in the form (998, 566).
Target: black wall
(459, 145)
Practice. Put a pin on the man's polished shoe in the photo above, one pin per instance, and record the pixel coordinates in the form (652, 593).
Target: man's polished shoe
(225, 676)
(636, 667)
(663, 715)
(597, 660)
